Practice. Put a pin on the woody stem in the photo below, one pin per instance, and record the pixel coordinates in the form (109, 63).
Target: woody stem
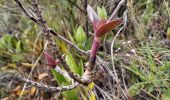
(88, 75)
(94, 49)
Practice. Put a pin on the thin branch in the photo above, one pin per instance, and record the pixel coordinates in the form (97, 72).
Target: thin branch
(63, 72)
(116, 10)
(32, 70)
(39, 20)
(46, 87)
(112, 56)
(57, 53)
(76, 6)
(80, 51)
(46, 29)
(85, 9)
(26, 11)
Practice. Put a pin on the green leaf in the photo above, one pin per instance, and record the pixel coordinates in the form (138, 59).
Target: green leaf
(18, 47)
(17, 57)
(80, 45)
(2, 46)
(135, 70)
(168, 33)
(71, 94)
(91, 85)
(135, 89)
(166, 95)
(81, 67)
(80, 35)
(165, 67)
(151, 62)
(71, 62)
(148, 11)
(71, 38)
(92, 96)
(58, 77)
(102, 13)
(88, 44)
(6, 41)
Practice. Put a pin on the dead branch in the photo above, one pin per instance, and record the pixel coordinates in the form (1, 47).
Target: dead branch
(40, 21)
(46, 87)
(77, 6)
(80, 51)
(35, 19)
(116, 10)
(112, 56)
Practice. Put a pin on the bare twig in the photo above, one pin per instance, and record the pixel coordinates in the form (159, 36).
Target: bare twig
(112, 56)
(59, 56)
(32, 70)
(87, 24)
(76, 6)
(62, 72)
(33, 18)
(37, 18)
(80, 51)
(26, 11)
(116, 10)
(46, 29)
(46, 87)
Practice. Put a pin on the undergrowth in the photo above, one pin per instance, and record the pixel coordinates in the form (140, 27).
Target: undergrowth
(141, 51)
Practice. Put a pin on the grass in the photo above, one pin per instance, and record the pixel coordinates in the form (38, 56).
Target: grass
(142, 65)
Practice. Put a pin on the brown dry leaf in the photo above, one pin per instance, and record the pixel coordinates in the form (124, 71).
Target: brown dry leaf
(18, 90)
(32, 92)
(41, 76)
(27, 65)
(11, 65)
(18, 93)
(38, 47)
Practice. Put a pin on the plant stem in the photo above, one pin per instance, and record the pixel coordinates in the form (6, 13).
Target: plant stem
(95, 46)
(88, 75)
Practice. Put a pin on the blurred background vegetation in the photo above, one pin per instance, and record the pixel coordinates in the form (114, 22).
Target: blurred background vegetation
(141, 52)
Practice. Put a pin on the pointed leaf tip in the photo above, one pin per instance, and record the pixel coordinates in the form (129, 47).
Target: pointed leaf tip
(105, 28)
(92, 15)
(50, 61)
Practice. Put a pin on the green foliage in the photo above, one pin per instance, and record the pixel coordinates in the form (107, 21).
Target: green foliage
(11, 47)
(72, 64)
(148, 11)
(80, 37)
(71, 95)
(62, 81)
(58, 77)
(150, 74)
(71, 38)
(5, 42)
(88, 44)
(168, 33)
(166, 95)
(78, 69)
(102, 13)
(17, 57)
